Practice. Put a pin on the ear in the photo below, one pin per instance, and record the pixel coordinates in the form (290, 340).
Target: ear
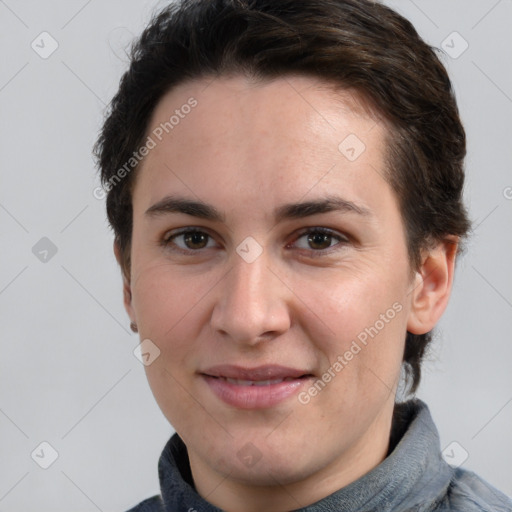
(127, 291)
(432, 286)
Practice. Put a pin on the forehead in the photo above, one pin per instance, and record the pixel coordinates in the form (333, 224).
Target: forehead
(292, 136)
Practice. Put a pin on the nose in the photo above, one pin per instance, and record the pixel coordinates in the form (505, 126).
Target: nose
(252, 304)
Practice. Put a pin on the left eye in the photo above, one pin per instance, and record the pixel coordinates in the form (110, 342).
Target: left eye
(319, 239)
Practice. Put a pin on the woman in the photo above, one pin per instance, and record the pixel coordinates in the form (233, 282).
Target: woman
(285, 185)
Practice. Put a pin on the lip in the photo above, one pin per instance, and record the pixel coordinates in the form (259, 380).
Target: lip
(254, 388)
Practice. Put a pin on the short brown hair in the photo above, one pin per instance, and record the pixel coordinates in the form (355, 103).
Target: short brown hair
(358, 45)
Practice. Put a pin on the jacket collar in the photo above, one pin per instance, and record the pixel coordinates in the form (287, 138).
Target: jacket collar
(412, 475)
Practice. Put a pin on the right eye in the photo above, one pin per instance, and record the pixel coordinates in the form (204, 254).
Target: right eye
(188, 241)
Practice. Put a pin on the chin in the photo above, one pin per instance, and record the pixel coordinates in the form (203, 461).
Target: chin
(266, 472)
(266, 465)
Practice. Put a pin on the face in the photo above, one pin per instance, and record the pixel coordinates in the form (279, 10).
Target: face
(269, 267)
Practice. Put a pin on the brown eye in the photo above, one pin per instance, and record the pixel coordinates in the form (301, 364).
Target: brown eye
(195, 239)
(190, 240)
(318, 240)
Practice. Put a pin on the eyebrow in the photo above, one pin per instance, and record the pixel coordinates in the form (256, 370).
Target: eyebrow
(323, 205)
(179, 204)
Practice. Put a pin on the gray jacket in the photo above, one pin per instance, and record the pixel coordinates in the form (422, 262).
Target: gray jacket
(413, 477)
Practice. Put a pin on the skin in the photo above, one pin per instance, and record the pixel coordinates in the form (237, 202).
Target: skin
(248, 148)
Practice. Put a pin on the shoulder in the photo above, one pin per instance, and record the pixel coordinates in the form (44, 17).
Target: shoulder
(468, 492)
(153, 504)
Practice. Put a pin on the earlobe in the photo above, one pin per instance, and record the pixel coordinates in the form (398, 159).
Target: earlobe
(432, 286)
(127, 290)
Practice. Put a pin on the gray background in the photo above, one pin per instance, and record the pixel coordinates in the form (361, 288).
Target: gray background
(67, 371)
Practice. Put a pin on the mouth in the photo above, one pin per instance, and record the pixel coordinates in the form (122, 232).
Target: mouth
(254, 388)
(268, 382)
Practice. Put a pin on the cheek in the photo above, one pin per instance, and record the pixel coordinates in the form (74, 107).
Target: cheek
(366, 318)
(167, 304)
(166, 300)
(350, 302)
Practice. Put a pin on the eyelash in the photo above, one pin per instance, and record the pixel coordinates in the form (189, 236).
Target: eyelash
(342, 240)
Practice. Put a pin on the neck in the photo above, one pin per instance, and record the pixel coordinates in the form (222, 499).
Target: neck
(233, 495)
